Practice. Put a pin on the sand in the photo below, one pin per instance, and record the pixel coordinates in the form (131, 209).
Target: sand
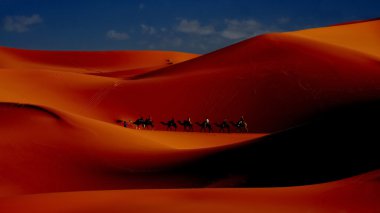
(62, 149)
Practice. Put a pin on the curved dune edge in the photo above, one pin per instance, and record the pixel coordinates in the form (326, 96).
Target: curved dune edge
(276, 80)
(358, 194)
(60, 151)
(89, 62)
(58, 129)
(362, 37)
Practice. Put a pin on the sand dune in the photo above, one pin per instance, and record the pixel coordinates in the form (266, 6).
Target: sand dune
(276, 80)
(358, 194)
(89, 62)
(310, 98)
(363, 37)
(280, 80)
(65, 152)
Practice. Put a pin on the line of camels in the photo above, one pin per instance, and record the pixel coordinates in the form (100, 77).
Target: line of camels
(205, 126)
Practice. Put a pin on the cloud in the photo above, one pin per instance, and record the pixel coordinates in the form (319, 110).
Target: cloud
(195, 36)
(194, 27)
(114, 35)
(148, 29)
(239, 29)
(21, 24)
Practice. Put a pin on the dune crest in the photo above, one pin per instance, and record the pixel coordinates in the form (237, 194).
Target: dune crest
(309, 97)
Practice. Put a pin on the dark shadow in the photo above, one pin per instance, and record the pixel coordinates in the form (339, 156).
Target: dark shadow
(334, 145)
(30, 106)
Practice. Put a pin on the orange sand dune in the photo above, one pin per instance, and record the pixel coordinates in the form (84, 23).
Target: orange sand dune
(276, 80)
(58, 113)
(89, 62)
(363, 37)
(64, 152)
(358, 194)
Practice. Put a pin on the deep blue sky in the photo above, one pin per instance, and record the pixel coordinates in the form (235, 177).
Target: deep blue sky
(196, 26)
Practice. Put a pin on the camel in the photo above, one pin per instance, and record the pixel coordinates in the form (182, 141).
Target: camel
(125, 123)
(169, 62)
(223, 126)
(139, 122)
(204, 125)
(187, 125)
(241, 126)
(170, 124)
(148, 122)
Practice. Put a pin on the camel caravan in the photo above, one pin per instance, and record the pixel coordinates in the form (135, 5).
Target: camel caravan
(205, 126)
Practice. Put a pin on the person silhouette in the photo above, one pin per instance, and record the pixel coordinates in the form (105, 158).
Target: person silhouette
(172, 121)
(207, 121)
(242, 125)
(207, 125)
(241, 121)
(148, 122)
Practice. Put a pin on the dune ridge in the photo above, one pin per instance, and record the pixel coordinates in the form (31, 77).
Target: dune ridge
(309, 97)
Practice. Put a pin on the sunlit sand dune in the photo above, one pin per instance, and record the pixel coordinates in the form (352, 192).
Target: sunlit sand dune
(89, 62)
(309, 97)
(63, 152)
(358, 194)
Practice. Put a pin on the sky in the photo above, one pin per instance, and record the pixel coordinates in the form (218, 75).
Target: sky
(196, 26)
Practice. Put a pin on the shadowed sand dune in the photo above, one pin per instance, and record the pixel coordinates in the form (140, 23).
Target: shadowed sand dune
(358, 194)
(311, 99)
(278, 80)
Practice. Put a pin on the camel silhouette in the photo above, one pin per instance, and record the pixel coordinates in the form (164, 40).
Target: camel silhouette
(241, 126)
(139, 122)
(170, 124)
(125, 123)
(169, 62)
(187, 125)
(223, 127)
(148, 122)
(204, 125)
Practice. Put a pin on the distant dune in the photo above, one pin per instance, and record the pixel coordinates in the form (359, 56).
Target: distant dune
(100, 62)
(309, 97)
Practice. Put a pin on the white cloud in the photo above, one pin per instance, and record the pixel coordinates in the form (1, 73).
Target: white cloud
(21, 24)
(194, 36)
(194, 27)
(239, 29)
(114, 35)
(148, 29)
